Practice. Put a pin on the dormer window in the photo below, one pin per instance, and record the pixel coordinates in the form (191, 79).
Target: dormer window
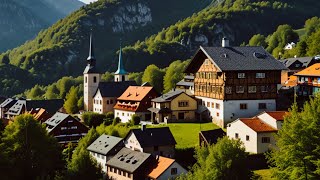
(241, 75)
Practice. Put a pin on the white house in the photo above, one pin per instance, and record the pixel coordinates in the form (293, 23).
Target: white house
(165, 169)
(290, 46)
(257, 133)
(104, 148)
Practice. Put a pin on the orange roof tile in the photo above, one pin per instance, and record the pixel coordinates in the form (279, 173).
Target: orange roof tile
(135, 93)
(277, 115)
(257, 125)
(292, 81)
(313, 70)
(163, 164)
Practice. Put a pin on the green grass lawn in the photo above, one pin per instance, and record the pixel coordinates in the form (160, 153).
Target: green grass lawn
(263, 174)
(187, 134)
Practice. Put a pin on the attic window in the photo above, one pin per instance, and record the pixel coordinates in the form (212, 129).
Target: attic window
(106, 145)
(134, 161)
(224, 55)
(259, 55)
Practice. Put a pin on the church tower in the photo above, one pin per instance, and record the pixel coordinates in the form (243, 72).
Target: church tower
(91, 79)
(121, 74)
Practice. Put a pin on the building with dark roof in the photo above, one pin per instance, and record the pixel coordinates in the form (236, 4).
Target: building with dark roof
(100, 97)
(65, 128)
(157, 141)
(210, 137)
(257, 133)
(129, 164)
(5, 106)
(104, 148)
(174, 106)
(22, 106)
(234, 82)
(186, 84)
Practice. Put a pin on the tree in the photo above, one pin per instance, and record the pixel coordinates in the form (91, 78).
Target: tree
(71, 103)
(5, 59)
(258, 40)
(35, 93)
(135, 119)
(29, 152)
(154, 76)
(107, 77)
(224, 160)
(93, 119)
(174, 74)
(137, 77)
(298, 152)
(52, 92)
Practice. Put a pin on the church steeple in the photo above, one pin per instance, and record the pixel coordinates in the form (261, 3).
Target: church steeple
(91, 59)
(121, 74)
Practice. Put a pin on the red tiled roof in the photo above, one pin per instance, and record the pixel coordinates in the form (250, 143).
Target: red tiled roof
(257, 125)
(277, 115)
(163, 164)
(313, 70)
(135, 93)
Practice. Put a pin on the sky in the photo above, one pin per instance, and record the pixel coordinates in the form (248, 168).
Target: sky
(88, 1)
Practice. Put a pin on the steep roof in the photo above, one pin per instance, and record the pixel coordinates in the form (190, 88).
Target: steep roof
(257, 125)
(212, 136)
(128, 160)
(162, 165)
(40, 114)
(168, 96)
(135, 93)
(313, 70)
(304, 60)
(91, 60)
(104, 144)
(235, 59)
(277, 115)
(55, 120)
(114, 89)
(153, 136)
(8, 103)
(120, 69)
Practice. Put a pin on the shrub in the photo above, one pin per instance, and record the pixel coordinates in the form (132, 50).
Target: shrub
(135, 119)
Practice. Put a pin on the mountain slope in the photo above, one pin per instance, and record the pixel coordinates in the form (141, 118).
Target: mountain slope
(22, 19)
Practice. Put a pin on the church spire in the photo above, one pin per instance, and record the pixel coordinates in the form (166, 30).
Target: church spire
(91, 59)
(120, 69)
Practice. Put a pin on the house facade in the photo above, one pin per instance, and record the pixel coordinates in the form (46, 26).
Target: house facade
(5, 106)
(174, 106)
(135, 100)
(156, 141)
(100, 97)
(257, 133)
(233, 82)
(165, 169)
(104, 148)
(186, 84)
(65, 128)
(308, 80)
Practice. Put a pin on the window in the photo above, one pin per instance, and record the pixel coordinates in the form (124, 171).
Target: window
(183, 103)
(122, 114)
(214, 76)
(100, 102)
(239, 89)
(174, 171)
(252, 89)
(262, 106)
(228, 90)
(212, 105)
(217, 106)
(236, 135)
(247, 138)
(86, 79)
(218, 114)
(260, 75)
(107, 101)
(265, 139)
(63, 128)
(243, 106)
(129, 175)
(264, 88)
(111, 101)
(241, 75)
(74, 127)
(94, 79)
(208, 104)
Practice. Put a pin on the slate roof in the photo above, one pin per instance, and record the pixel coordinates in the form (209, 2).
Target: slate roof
(184, 83)
(153, 136)
(162, 165)
(212, 136)
(257, 125)
(128, 160)
(304, 60)
(313, 70)
(8, 103)
(168, 96)
(237, 59)
(114, 89)
(104, 144)
(55, 120)
(90, 69)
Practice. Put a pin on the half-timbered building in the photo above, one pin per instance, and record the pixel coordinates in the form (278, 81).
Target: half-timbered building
(233, 82)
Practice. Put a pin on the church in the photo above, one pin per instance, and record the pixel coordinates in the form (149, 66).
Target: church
(99, 96)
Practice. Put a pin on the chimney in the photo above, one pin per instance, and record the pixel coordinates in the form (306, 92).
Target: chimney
(143, 127)
(225, 42)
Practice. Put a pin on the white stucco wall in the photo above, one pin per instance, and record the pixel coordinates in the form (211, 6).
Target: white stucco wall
(243, 130)
(213, 110)
(97, 107)
(167, 173)
(264, 147)
(132, 143)
(101, 159)
(125, 116)
(265, 117)
(89, 88)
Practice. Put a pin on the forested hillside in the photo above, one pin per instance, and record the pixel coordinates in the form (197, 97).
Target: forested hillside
(61, 50)
(21, 20)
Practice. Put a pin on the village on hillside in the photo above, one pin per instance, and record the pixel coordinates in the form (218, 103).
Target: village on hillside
(242, 93)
